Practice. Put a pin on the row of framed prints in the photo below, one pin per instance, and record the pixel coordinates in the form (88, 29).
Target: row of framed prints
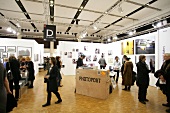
(6, 51)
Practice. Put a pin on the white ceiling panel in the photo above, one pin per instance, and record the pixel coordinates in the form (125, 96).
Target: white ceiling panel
(142, 14)
(162, 5)
(9, 4)
(125, 22)
(76, 29)
(62, 20)
(25, 25)
(100, 5)
(3, 24)
(39, 26)
(75, 3)
(13, 14)
(126, 7)
(141, 1)
(37, 17)
(86, 23)
(88, 15)
(61, 28)
(64, 12)
(109, 19)
(35, 7)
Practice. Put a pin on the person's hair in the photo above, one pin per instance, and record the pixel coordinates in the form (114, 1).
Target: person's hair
(12, 58)
(167, 54)
(102, 56)
(141, 57)
(127, 58)
(116, 57)
(28, 58)
(124, 56)
(53, 60)
(22, 59)
(6, 59)
(83, 56)
(57, 58)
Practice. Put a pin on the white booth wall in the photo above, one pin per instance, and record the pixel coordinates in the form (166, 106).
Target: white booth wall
(35, 48)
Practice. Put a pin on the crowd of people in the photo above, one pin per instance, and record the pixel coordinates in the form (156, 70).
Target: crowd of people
(12, 69)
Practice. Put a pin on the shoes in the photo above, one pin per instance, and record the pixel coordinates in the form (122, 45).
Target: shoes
(146, 100)
(47, 104)
(168, 110)
(167, 105)
(59, 101)
(143, 102)
(125, 89)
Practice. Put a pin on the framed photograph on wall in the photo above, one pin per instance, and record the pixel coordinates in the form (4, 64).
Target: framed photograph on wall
(85, 48)
(88, 58)
(110, 52)
(77, 50)
(97, 51)
(95, 58)
(11, 49)
(36, 57)
(4, 55)
(127, 47)
(74, 61)
(69, 54)
(2, 49)
(24, 51)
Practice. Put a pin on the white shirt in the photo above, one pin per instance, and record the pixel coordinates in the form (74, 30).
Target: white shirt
(116, 65)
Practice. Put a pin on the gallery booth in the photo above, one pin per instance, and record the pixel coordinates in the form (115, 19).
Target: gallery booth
(152, 45)
(24, 48)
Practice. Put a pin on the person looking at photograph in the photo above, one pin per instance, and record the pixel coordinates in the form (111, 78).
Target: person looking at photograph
(80, 61)
(116, 67)
(59, 64)
(102, 62)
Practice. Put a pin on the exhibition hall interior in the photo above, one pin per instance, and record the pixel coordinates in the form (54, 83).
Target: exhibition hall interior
(84, 56)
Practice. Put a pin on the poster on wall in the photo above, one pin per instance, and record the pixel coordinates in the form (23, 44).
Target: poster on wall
(88, 58)
(127, 47)
(74, 61)
(79, 54)
(2, 49)
(95, 58)
(36, 57)
(11, 49)
(145, 46)
(97, 51)
(24, 51)
(69, 54)
(73, 50)
(150, 61)
(85, 48)
(110, 52)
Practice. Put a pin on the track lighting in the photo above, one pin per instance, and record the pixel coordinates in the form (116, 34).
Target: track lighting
(14, 32)
(9, 29)
(159, 24)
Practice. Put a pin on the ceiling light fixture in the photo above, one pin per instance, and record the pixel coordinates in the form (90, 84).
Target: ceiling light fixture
(18, 25)
(159, 24)
(51, 5)
(9, 29)
(108, 39)
(120, 10)
(14, 32)
(51, 2)
(81, 7)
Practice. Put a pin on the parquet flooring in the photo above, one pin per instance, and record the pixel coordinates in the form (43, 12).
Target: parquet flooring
(118, 102)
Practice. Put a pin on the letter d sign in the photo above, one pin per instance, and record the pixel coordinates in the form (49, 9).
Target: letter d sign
(49, 33)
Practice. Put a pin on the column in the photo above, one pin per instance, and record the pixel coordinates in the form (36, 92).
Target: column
(79, 39)
(19, 36)
(51, 48)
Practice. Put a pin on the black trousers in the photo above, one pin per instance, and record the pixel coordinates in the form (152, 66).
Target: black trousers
(142, 92)
(30, 83)
(102, 67)
(49, 96)
(16, 83)
(117, 78)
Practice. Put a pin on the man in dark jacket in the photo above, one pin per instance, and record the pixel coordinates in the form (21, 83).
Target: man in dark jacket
(166, 77)
(80, 61)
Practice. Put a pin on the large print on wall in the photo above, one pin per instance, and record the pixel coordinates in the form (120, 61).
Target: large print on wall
(88, 58)
(145, 46)
(127, 47)
(24, 51)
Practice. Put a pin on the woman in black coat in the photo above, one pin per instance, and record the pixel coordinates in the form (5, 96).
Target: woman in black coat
(30, 69)
(52, 78)
(142, 79)
(59, 63)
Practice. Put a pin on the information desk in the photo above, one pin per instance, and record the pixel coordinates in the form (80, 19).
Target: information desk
(93, 83)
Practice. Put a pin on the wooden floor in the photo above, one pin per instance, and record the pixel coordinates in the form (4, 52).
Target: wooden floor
(118, 102)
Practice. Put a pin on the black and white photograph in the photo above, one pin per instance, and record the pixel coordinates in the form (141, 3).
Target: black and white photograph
(97, 51)
(11, 49)
(77, 50)
(74, 61)
(85, 48)
(69, 54)
(65, 53)
(95, 58)
(4, 55)
(110, 52)
(110, 60)
(79, 54)
(73, 50)
(88, 58)
(145, 46)
(2, 49)
(24, 51)
(36, 57)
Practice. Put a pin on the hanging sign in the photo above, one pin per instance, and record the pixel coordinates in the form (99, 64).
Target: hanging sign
(49, 32)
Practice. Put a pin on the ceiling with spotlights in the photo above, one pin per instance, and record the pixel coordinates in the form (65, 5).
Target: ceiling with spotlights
(93, 20)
